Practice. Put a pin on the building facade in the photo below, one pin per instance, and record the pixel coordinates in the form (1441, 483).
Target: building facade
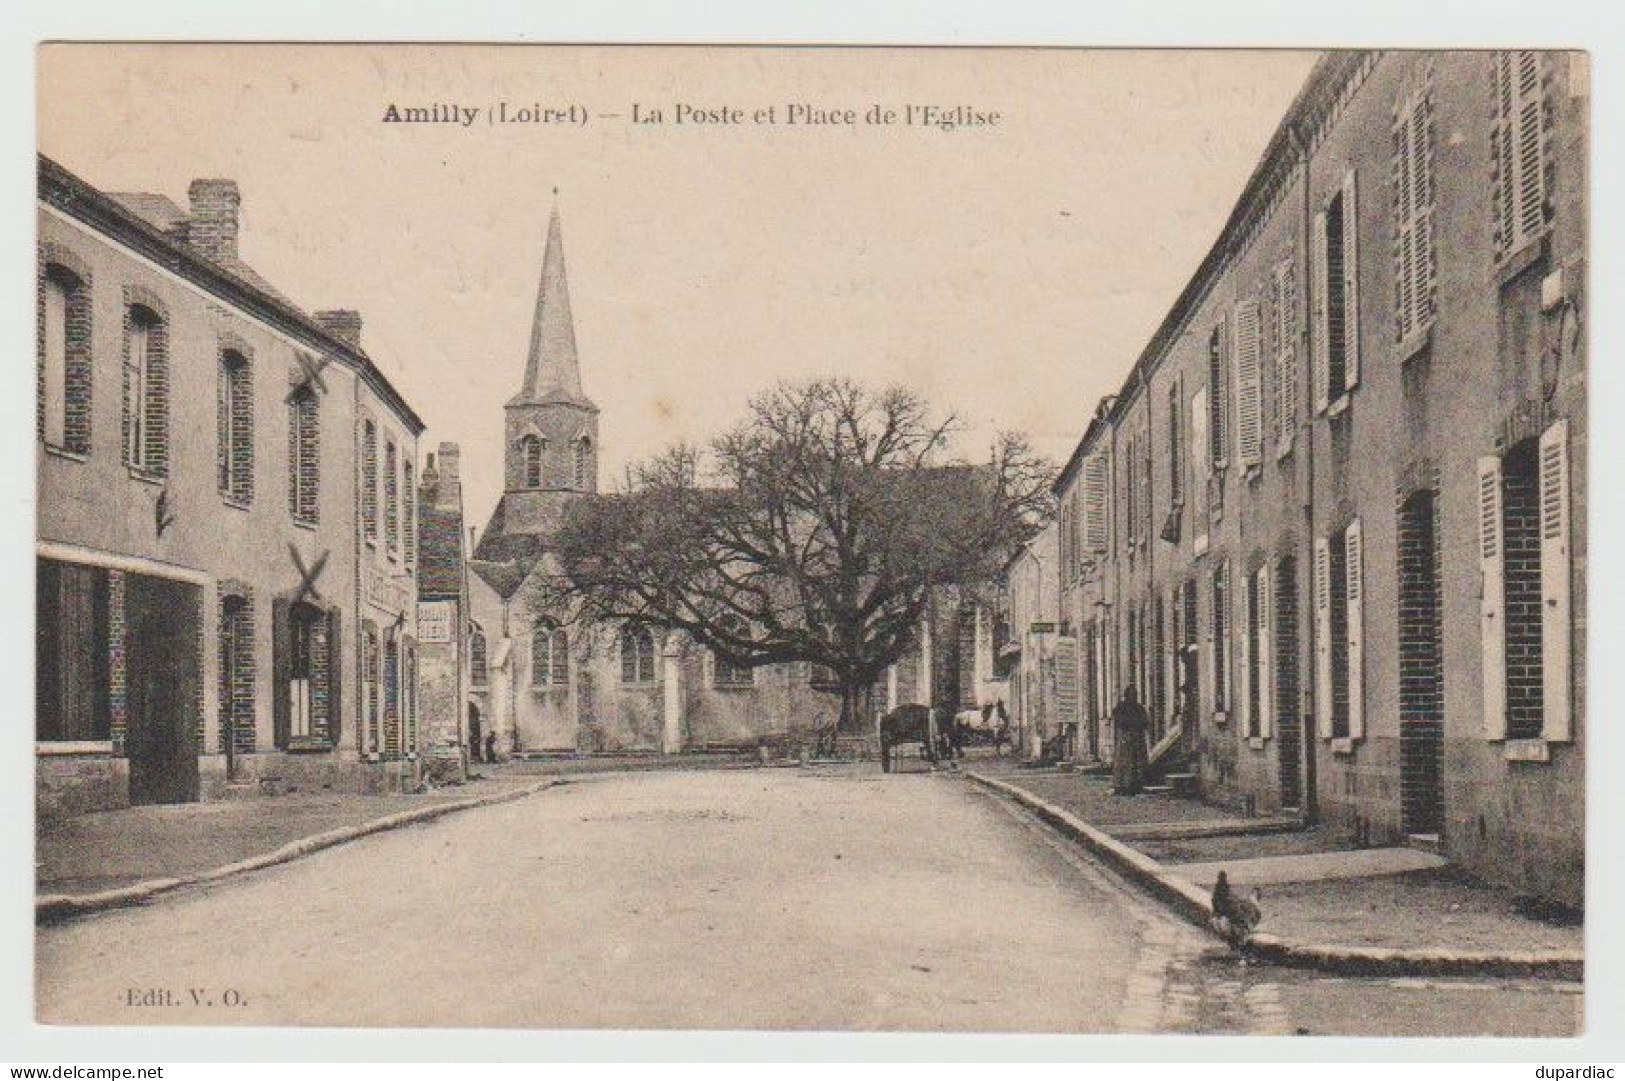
(1332, 526)
(452, 733)
(218, 544)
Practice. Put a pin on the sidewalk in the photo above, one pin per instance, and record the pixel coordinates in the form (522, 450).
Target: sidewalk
(1325, 903)
(109, 850)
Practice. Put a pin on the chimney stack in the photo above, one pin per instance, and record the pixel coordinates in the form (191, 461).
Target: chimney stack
(344, 324)
(213, 226)
(450, 455)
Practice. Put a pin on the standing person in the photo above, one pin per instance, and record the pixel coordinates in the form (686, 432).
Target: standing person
(1130, 722)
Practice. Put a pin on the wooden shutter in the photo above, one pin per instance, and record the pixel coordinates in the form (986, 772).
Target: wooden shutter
(1319, 344)
(1351, 283)
(281, 668)
(1241, 625)
(1519, 149)
(335, 675)
(1354, 581)
(1323, 636)
(1219, 403)
(1492, 601)
(1286, 368)
(1555, 622)
(1094, 495)
(1249, 384)
(1066, 680)
(1266, 671)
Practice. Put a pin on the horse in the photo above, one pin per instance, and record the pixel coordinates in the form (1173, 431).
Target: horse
(912, 724)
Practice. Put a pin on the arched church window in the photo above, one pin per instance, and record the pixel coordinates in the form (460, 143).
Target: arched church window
(583, 462)
(549, 654)
(637, 655)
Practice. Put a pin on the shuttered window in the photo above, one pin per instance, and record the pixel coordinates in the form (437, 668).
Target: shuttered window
(1218, 425)
(369, 481)
(1414, 264)
(235, 453)
(1220, 611)
(392, 498)
(304, 455)
(146, 391)
(1520, 154)
(409, 510)
(530, 452)
(1340, 634)
(1249, 383)
(1176, 447)
(1068, 700)
(1095, 505)
(1336, 324)
(1526, 573)
(64, 360)
(1283, 355)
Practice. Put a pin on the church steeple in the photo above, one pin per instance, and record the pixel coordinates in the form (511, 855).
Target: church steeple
(552, 426)
(552, 369)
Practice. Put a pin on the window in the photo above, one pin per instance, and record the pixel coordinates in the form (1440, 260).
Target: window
(146, 391)
(306, 647)
(409, 511)
(64, 361)
(1283, 336)
(409, 693)
(637, 655)
(1340, 637)
(1067, 537)
(235, 453)
(1258, 707)
(478, 672)
(73, 654)
(727, 673)
(1335, 244)
(392, 499)
(394, 736)
(1520, 152)
(1221, 638)
(1176, 448)
(1218, 421)
(1414, 269)
(1095, 474)
(304, 455)
(1249, 383)
(237, 673)
(369, 482)
(549, 654)
(1527, 575)
(582, 464)
(530, 453)
(371, 676)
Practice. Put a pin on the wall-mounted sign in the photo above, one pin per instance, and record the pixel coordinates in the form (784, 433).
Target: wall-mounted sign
(436, 620)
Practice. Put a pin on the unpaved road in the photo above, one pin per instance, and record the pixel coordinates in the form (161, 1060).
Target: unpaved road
(756, 899)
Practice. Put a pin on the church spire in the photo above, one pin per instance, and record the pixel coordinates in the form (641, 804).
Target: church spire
(552, 372)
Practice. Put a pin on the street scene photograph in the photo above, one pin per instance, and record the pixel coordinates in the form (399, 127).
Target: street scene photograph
(811, 539)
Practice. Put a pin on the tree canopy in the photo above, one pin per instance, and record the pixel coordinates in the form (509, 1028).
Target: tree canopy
(814, 530)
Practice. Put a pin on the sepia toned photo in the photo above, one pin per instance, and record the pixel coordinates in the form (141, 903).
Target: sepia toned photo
(791, 539)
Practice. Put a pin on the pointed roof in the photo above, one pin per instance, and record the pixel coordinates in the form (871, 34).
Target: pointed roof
(552, 371)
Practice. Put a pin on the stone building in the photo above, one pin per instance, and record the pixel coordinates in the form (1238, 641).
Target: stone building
(1333, 523)
(226, 534)
(451, 734)
(545, 687)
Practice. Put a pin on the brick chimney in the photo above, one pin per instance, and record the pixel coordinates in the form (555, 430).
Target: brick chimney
(213, 226)
(344, 324)
(450, 456)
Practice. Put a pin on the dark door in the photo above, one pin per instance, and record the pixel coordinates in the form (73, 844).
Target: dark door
(162, 625)
(476, 748)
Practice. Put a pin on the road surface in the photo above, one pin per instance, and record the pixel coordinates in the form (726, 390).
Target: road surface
(759, 899)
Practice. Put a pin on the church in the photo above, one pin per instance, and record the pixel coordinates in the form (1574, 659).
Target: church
(541, 685)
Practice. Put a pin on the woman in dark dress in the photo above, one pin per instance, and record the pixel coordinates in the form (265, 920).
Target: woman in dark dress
(1130, 723)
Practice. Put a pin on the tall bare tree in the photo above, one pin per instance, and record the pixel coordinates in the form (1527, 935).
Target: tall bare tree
(813, 531)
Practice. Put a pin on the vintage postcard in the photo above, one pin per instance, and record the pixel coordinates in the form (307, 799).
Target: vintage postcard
(765, 538)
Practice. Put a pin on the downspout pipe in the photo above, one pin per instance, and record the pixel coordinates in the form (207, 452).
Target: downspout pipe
(1309, 707)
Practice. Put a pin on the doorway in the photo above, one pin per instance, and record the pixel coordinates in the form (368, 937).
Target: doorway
(476, 737)
(1421, 669)
(163, 624)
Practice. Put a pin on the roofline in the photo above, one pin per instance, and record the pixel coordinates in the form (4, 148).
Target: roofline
(1330, 71)
(77, 198)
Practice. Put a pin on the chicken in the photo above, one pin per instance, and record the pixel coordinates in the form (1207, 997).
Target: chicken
(1235, 916)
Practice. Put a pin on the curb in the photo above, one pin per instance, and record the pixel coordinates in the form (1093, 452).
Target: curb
(59, 907)
(1194, 905)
